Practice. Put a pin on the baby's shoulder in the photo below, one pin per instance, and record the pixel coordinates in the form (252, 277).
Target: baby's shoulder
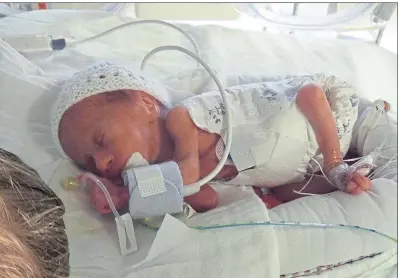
(178, 121)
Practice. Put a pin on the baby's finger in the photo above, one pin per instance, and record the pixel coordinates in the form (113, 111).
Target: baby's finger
(367, 183)
(95, 197)
(362, 181)
(93, 190)
(100, 204)
(103, 208)
(351, 186)
(93, 201)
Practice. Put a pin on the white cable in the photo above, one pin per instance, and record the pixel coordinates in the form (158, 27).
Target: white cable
(197, 51)
(310, 179)
(378, 171)
(381, 107)
(353, 159)
(321, 170)
(195, 187)
(305, 193)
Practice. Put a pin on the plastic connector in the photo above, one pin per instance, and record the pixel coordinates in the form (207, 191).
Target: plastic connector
(58, 44)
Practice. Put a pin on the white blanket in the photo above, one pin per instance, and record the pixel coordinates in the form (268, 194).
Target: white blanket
(239, 252)
(224, 252)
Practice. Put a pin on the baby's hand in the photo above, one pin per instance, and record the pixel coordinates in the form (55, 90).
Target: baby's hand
(349, 179)
(119, 195)
(358, 183)
(204, 200)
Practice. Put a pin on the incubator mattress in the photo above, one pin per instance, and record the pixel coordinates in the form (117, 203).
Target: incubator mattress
(176, 250)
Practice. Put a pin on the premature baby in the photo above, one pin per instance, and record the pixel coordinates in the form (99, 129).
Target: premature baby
(109, 111)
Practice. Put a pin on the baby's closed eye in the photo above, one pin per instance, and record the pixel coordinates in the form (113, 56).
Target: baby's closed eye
(100, 139)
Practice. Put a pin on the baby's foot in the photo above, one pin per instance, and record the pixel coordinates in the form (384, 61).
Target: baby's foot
(269, 200)
(348, 178)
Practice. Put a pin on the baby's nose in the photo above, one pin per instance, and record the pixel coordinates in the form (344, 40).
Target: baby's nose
(103, 162)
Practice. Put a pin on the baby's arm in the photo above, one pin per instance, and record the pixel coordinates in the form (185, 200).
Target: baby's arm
(313, 103)
(318, 185)
(185, 135)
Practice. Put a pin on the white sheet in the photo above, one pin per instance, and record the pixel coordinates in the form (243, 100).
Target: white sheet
(218, 253)
(25, 131)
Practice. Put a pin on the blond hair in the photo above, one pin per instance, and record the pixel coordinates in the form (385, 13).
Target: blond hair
(33, 241)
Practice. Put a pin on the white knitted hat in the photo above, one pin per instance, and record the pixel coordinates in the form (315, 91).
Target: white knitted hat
(101, 78)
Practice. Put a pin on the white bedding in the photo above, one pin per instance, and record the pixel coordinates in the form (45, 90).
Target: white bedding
(24, 130)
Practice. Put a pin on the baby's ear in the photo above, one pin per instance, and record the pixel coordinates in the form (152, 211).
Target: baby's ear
(143, 103)
(150, 104)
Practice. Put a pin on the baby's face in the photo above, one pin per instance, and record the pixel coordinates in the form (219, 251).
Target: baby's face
(101, 132)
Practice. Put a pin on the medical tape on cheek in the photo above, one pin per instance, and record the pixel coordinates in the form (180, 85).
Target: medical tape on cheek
(136, 160)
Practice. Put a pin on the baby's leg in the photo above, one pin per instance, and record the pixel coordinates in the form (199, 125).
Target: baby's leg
(313, 103)
(270, 200)
(318, 185)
